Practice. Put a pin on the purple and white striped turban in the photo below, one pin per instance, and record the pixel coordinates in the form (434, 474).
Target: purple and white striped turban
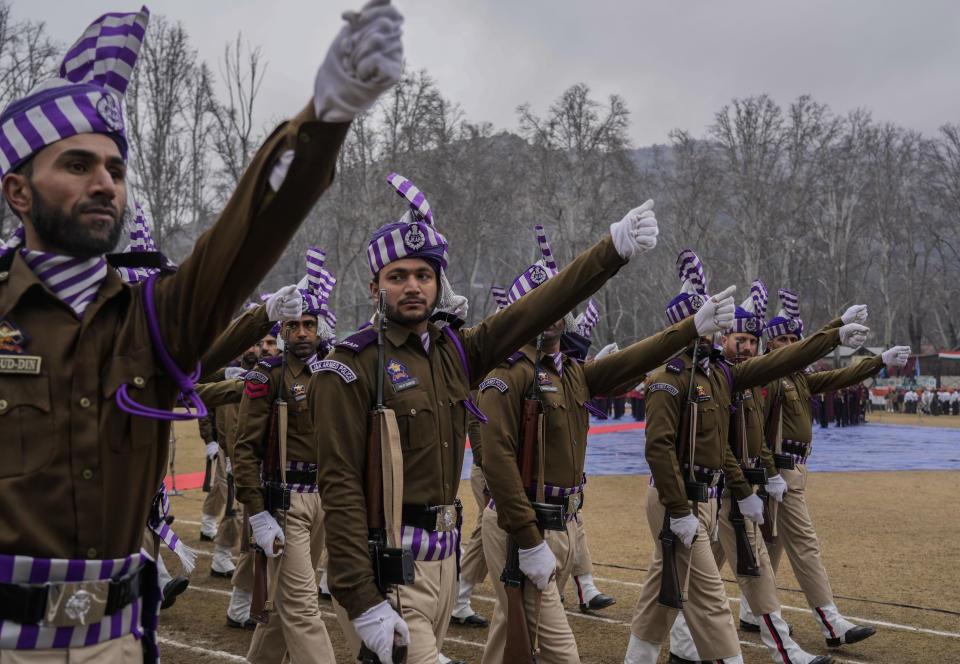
(141, 241)
(787, 320)
(588, 319)
(694, 290)
(748, 317)
(319, 283)
(538, 273)
(414, 236)
(86, 97)
(499, 296)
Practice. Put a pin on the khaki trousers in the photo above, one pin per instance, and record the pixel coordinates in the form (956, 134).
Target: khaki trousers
(116, 651)
(557, 645)
(582, 563)
(243, 574)
(473, 566)
(706, 608)
(295, 626)
(216, 500)
(426, 607)
(795, 533)
(228, 532)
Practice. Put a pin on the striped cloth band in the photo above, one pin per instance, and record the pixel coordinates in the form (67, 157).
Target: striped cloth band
(320, 283)
(551, 491)
(558, 362)
(430, 545)
(158, 524)
(425, 341)
(499, 296)
(787, 320)
(588, 319)
(74, 280)
(86, 97)
(800, 451)
(136, 618)
(301, 467)
(538, 273)
(693, 293)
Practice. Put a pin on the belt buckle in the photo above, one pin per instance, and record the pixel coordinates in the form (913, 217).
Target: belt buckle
(573, 503)
(76, 604)
(446, 518)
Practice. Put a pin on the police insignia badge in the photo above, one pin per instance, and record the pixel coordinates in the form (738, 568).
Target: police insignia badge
(696, 302)
(702, 394)
(792, 325)
(538, 275)
(299, 391)
(109, 112)
(399, 377)
(750, 325)
(546, 385)
(12, 358)
(414, 238)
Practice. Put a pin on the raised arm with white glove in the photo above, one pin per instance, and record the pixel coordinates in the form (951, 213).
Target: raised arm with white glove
(607, 350)
(717, 313)
(855, 314)
(285, 304)
(538, 564)
(685, 528)
(636, 232)
(265, 531)
(897, 356)
(853, 335)
(379, 627)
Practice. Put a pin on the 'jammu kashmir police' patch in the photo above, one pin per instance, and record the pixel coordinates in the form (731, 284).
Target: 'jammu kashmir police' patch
(546, 385)
(12, 358)
(399, 377)
(494, 382)
(299, 391)
(663, 387)
(702, 394)
(341, 369)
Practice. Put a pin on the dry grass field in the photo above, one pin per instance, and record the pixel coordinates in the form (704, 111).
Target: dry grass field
(890, 543)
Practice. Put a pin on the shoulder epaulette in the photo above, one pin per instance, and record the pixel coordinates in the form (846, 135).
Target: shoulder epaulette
(271, 361)
(676, 365)
(513, 359)
(359, 340)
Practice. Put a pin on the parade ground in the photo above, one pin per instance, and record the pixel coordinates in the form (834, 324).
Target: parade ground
(888, 533)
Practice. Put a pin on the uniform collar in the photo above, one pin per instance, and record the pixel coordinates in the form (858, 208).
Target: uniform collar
(546, 361)
(295, 364)
(398, 335)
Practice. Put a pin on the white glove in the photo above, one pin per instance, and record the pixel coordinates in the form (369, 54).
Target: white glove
(897, 355)
(852, 335)
(364, 60)
(752, 507)
(636, 232)
(379, 627)
(609, 349)
(776, 487)
(235, 372)
(212, 450)
(685, 528)
(265, 531)
(285, 304)
(717, 313)
(229, 466)
(855, 314)
(538, 564)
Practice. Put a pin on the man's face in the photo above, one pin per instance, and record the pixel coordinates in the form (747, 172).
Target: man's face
(251, 355)
(782, 340)
(72, 197)
(268, 346)
(301, 335)
(739, 343)
(554, 332)
(411, 286)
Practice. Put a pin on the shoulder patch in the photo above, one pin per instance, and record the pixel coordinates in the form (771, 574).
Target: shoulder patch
(270, 362)
(513, 359)
(254, 376)
(339, 368)
(676, 365)
(359, 340)
(494, 382)
(663, 387)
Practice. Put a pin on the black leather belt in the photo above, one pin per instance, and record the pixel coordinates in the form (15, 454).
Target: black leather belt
(435, 518)
(296, 477)
(570, 503)
(27, 604)
(710, 479)
(800, 449)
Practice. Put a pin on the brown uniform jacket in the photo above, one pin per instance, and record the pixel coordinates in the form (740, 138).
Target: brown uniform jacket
(78, 473)
(430, 414)
(667, 394)
(263, 384)
(217, 395)
(799, 386)
(566, 419)
(244, 331)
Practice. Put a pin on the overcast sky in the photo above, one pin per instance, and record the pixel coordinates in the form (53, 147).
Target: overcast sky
(675, 63)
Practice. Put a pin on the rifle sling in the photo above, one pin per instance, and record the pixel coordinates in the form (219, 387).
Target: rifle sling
(391, 460)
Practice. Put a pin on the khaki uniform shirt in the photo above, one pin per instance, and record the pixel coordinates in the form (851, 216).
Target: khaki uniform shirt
(566, 419)
(78, 473)
(430, 412)
(667, 391)
(263, 385)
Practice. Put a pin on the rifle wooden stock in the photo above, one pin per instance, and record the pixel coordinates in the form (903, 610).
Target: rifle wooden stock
(670, 583)
(259, 599)
(517, 646)
(206, 475)
(529, 426)
(746, 561)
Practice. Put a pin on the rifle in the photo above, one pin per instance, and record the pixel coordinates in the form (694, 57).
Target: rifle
(774, 440)
(671, 595)
(276, 498)
(206, 475)
(517, 646)
(746, 559)
(231, 509)
(392, 565)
